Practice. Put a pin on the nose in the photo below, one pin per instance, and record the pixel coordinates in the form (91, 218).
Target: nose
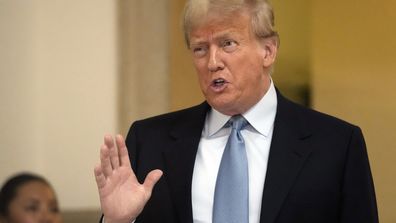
(47, 217)
(215, 62)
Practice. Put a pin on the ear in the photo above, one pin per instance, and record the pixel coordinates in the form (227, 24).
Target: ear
(270, 49)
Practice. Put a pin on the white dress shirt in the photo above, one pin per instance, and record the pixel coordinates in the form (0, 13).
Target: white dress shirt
(214, 137)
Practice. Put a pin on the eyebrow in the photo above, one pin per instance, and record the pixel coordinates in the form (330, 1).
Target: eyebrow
(32, 201)
(219, 36)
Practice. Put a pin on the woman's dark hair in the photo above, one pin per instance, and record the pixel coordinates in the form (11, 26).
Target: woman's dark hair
(11, 186)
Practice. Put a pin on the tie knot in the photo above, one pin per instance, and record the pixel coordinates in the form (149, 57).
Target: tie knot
(238, 122)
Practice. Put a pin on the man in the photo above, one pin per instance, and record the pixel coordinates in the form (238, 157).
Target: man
(302, 166)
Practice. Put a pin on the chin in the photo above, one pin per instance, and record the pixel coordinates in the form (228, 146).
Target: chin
(227, 108)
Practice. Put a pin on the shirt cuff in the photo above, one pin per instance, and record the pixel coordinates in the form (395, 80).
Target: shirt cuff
(103, 220)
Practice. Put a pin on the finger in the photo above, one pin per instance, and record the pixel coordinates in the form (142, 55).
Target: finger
(105, 162)
(151, 179)
(99, 176)
(123, 151)
(108, 140)
(114, 158)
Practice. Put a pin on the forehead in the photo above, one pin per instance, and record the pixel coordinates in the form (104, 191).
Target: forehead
(35, 189)
(214, 26)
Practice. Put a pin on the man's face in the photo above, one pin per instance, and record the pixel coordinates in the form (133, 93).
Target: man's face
(232, 64)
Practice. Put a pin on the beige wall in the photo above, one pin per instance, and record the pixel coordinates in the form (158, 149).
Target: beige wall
(184, 88)
(17, 87)
(353, 62)
(71, 71)
(292, 67)
(143, 59)
(58, 91)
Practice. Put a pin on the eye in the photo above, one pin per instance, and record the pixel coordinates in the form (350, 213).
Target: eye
(54, 209)
(32, 208)
(229, 45)
(199, 51)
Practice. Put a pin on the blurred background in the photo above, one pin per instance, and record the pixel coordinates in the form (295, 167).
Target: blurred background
(71, 71)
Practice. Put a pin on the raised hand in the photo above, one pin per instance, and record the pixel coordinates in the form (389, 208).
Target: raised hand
(122, 197)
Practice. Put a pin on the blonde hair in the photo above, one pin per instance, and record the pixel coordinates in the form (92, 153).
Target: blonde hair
(262, 16)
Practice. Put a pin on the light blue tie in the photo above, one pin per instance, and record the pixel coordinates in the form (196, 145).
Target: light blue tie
(231, 199)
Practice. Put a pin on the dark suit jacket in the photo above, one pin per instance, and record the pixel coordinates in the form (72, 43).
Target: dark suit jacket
(318, 169)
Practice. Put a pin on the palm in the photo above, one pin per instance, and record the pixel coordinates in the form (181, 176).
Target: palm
(122, 197)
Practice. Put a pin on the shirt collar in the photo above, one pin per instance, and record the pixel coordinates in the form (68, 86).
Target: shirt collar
(261, 116)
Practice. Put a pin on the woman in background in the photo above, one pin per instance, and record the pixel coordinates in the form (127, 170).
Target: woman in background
(28, 198)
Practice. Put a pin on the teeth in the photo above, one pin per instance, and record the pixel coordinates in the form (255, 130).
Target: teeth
(219, 81)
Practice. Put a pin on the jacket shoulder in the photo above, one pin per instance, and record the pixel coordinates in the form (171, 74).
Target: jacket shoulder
(172, 118)
(315, 120)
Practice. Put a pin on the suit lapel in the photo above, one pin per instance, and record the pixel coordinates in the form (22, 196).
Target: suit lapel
(288, 153)
(180, 158)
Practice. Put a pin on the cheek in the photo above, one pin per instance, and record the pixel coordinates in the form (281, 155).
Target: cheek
(252, 73)
(55, 217)
(248, 81)
(17, 214)
(201, 72)
(21, 217)
(203, 76)
(58, 219)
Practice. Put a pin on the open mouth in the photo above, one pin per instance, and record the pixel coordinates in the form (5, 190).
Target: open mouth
(218, 82)
(219, 85)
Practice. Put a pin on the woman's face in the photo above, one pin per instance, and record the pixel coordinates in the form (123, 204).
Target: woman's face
(35, 202)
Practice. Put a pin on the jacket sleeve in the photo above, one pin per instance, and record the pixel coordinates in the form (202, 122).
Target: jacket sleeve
(358, 202)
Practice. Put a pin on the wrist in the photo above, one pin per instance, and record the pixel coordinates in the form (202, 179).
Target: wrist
(117, 221)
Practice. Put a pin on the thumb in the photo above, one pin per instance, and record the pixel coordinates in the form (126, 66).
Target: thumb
(151, 179)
